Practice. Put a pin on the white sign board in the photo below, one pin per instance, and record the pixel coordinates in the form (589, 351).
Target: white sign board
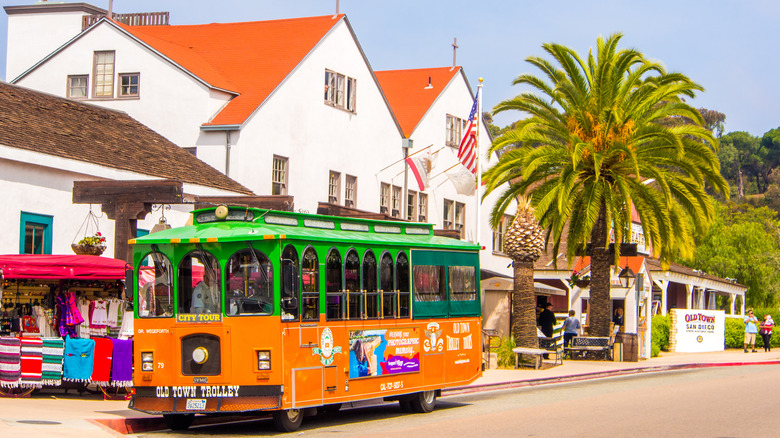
(699, 330)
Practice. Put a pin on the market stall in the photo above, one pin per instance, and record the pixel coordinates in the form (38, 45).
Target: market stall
(65, 318)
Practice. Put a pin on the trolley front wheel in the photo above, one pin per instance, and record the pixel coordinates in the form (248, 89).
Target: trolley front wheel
(288, 420)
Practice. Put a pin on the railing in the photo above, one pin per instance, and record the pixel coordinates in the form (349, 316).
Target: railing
(136, 19)
(488, 336)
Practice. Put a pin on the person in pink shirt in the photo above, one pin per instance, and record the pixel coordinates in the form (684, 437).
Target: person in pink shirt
(766, 331)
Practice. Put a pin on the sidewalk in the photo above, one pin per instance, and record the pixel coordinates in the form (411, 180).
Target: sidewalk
(55, 414)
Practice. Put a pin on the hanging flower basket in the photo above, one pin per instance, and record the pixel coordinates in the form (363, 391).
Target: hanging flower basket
(582, 283)
(579, 281)
(85, 249)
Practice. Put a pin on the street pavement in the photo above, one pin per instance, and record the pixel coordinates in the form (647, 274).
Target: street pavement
(53, 413)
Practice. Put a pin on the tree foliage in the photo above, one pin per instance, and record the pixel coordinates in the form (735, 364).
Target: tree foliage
(743, 243)
(596, 143)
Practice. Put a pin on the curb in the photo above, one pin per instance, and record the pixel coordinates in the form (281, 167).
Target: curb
(591, 376)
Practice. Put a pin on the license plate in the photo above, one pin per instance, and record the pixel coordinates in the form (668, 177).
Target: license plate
(196, 404)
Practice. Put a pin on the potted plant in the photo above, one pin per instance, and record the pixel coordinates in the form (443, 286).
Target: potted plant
(581, 281)
(90, 245)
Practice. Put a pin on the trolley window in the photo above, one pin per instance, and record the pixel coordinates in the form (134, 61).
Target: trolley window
(310, 281)
(463, 284)
(369, 284)
(354, 299)
(250, 283)
(389, 295)
(199, 283)
(333, 287)
(155, 286)
(290, 281)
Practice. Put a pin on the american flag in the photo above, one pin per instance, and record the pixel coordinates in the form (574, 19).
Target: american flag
(467, 152)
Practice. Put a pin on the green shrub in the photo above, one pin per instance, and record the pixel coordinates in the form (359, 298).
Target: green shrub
(735, 333)
(506, 358)
(660, 335)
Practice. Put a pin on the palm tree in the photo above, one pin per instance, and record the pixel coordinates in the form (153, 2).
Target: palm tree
(599, 140)
(524, 244)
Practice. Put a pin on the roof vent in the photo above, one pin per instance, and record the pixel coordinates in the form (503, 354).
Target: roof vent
(429, 86)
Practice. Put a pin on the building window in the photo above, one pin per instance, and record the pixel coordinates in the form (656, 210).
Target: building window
(350, 191)
(460, 218)
(334, 187)
(454, 131)
(279, 176)
(384, 198)
(498, 233)
(422, 211)
(35, 233)
(396, 200)
(411, 205)
(128, 84)
(192, 151)
(340, 91)
(104, 74)
(448, 214)
(77, 86)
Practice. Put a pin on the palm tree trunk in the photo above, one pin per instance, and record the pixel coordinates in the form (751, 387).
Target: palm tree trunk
(600, 264)
(524, 305)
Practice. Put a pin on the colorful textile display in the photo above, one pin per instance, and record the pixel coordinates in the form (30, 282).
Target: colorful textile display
(122, 363)
(52, 361)
(77, 359)
(101, 364)
(32, 362)
(69, 313)
(10, 361)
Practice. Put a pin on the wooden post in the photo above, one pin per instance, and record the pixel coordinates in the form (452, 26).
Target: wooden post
(125, 202)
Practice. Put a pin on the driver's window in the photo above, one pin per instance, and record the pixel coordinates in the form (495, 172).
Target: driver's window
(199, 283)
(290, 274)
(250, 284)
(155, 286)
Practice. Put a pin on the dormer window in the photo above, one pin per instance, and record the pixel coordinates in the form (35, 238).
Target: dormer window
(128, 84)
(340, 91)
(77, 86)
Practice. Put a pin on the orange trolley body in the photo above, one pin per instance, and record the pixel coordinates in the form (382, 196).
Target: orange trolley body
(301, 315)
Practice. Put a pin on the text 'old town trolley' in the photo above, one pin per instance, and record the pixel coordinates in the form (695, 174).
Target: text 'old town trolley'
(253, 310)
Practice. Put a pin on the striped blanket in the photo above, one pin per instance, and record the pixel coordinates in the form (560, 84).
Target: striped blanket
(10, 361)
(32, 362)
(52, 361)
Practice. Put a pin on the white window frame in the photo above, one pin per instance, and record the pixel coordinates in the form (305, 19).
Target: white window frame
(334, 187)
(350, 191)
(279, 175)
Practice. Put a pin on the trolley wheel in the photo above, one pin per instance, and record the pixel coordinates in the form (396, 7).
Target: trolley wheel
(178, 421)
(423, 402)
(288, 420)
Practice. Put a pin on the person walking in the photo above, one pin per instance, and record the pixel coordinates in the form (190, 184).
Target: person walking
(766, 331)
(571, 328)
(751, 329)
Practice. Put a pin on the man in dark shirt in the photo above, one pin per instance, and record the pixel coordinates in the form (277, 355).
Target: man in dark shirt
(547, 320)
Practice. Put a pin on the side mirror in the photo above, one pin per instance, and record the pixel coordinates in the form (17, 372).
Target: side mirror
(129, 283)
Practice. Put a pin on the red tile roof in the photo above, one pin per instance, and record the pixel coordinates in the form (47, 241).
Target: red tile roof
(407, 94)
(250, 59)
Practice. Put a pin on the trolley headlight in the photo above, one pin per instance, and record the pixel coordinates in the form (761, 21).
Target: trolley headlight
(200, 355)
(147, 361)
(263, 360)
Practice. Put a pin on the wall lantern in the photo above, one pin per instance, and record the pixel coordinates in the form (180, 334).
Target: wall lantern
(625, 276)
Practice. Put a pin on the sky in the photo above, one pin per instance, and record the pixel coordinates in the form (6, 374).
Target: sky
(728, 47)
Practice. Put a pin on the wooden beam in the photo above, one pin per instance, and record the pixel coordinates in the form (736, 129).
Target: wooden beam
(271, 202)
(117, 192)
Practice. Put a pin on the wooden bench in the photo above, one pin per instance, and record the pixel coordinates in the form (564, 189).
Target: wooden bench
(581, 345)
(549, 346)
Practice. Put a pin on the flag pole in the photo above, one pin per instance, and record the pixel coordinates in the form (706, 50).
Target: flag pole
(479, 158)
(402, 159)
